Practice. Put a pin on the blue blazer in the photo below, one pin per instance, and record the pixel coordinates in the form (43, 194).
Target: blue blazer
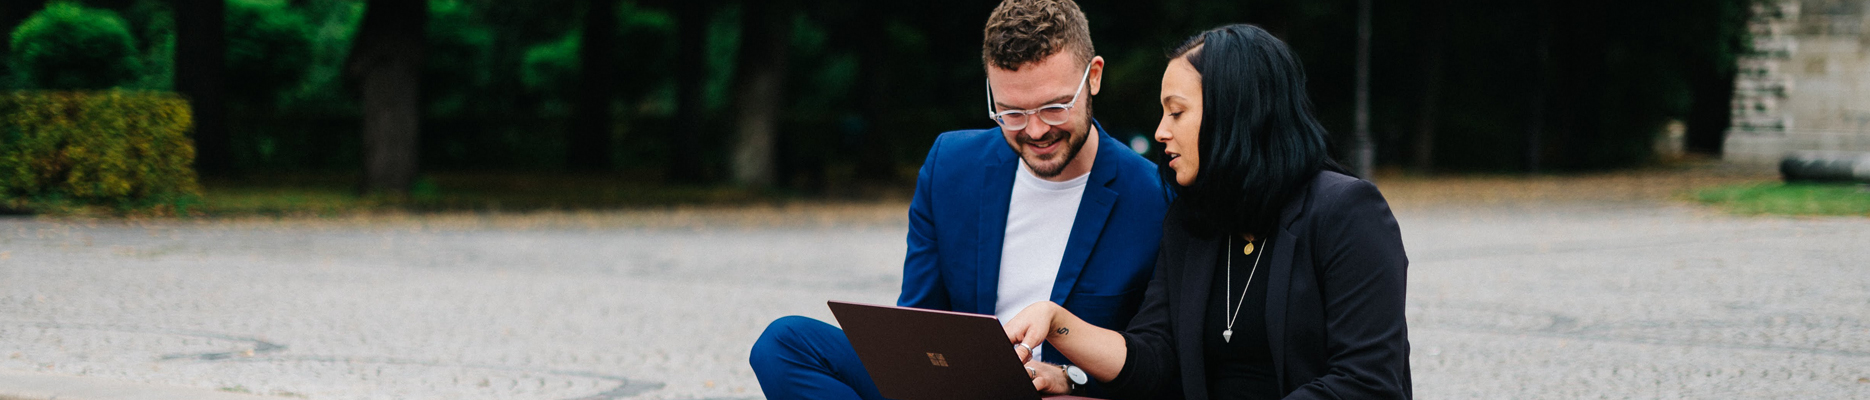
(957, 222)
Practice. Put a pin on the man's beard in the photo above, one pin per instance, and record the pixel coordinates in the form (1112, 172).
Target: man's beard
(1072, 144)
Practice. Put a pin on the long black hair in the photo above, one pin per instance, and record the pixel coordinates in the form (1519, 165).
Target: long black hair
(1259, 142)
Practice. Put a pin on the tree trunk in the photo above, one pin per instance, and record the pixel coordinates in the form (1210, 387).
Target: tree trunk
(875, 156)
(765, 38)
(1712, 84)
(590, 144)
(1585, 41)
(691, 134)
(1363, 150)
(200, 65)
(1711, 112)
(1433, 59)
(386, 65)
(1536, 101)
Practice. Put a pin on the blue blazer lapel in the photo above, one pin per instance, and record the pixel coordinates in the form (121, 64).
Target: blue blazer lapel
(1093, 209)
(995, 196)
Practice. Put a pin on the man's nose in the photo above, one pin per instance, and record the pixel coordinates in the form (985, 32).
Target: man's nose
(1035, 128)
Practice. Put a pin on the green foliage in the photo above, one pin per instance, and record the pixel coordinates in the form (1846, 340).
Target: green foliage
(500, 75)
(822, 75)
(1790, 198)
(552, 67)
(637, 19)
(330, 25)
(723, 53)
(154, 24)
(117, 148)
(307, 119)
(269, 49)
(68, 46)
(646, 59)
(460, 59)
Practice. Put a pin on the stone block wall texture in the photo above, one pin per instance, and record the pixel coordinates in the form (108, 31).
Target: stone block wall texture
(1806, 84)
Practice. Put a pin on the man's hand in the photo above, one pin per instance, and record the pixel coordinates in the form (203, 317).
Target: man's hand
(1048, 378)
(1030, 327)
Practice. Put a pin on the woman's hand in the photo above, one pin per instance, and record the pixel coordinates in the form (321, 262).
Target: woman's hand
(1028, 329)
(1048, 378)
(1098, 351)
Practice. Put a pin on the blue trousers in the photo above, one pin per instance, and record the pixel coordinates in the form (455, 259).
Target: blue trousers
(806, 359)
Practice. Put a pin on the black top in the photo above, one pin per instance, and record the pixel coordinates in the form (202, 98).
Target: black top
(1241, 368)
(1335, 276)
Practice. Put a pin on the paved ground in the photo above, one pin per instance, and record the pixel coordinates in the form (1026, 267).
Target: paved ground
(1522, 299)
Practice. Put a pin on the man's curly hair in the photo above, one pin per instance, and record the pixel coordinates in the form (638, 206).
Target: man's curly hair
(1021, 32)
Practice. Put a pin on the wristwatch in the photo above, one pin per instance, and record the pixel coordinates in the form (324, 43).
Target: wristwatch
(1074, 378)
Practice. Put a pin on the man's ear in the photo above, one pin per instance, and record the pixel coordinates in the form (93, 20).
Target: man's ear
(1097, 74)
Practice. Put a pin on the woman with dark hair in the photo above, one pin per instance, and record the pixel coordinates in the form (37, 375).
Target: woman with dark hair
(1279, 275)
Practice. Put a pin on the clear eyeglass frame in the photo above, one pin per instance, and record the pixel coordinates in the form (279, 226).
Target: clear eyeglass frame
(1051, 114)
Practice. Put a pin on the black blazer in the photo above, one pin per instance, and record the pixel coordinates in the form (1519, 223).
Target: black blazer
(1334, 302)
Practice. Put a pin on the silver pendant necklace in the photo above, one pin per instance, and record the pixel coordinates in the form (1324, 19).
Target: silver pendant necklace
(1227, 335)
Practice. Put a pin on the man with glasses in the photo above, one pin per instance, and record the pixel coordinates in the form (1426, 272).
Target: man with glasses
(1044, 207)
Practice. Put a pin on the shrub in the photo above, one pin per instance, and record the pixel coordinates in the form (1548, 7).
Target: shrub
(117, 148)
(67, 46)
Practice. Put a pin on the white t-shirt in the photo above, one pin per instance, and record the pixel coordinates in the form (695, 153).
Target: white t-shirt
(1038, 226)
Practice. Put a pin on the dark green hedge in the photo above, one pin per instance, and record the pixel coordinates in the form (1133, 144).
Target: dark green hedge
(71, 47)
(113, 148)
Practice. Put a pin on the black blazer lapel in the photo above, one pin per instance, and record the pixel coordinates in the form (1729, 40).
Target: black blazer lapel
(1279, 281)
(1191, 314)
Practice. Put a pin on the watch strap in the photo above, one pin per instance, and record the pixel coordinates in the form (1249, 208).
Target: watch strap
(1071, 385)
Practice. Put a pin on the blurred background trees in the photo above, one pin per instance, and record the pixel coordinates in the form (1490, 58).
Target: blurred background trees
(67, 46)
(812, 94)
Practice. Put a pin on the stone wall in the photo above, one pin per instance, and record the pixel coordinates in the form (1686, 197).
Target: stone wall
(1806, 85)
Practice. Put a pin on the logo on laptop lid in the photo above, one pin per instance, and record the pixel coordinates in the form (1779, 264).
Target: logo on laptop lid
(938, 360)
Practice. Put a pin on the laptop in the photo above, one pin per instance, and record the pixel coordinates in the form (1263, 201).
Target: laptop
(917, 354)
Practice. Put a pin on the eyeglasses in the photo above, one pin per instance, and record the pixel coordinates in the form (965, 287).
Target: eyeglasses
(1051, 114)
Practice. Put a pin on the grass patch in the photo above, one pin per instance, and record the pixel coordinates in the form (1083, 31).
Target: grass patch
(1789, 198)
(319, 201)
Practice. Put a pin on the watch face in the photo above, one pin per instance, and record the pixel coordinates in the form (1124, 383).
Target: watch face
(1077, 375)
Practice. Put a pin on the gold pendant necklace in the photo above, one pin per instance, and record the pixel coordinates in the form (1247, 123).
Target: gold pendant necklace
(1227, 335)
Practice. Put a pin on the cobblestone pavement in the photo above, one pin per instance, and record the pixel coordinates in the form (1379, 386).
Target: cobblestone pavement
(1637, 299)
